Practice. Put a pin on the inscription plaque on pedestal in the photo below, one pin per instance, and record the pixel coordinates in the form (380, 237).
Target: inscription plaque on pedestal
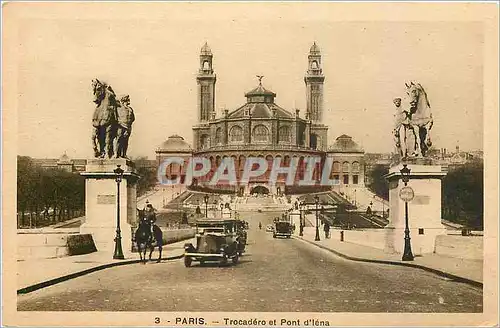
(106, 199)
(421, 200)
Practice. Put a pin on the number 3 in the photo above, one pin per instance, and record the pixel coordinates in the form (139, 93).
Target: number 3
(157, 320)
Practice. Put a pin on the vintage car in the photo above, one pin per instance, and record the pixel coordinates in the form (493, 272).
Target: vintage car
(282, 228)
(216, 240)
(269, 228)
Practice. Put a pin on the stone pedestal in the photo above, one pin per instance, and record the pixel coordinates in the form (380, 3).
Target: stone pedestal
(101, 203)
(226, 213)
(424, 211)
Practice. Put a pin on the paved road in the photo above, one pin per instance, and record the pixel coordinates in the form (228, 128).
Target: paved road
(284, 275)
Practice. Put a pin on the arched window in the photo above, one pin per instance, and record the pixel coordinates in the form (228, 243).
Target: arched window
(218, 136)
(260, 133)
(236, 134)
(284, 134)
(286, 160)
(205, 141)
(345, 167)
(336, 167)
(314, 64)
(206, 65)
(355, 167)
(269, 160)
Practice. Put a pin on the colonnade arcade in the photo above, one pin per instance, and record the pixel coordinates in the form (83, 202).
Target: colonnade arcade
(239, 160)
(342, 173)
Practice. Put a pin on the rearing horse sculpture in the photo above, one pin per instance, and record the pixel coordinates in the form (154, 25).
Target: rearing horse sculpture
(104, 119)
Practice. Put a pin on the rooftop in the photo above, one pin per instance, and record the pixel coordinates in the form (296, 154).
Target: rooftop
(345, 144)
(64, 159)
(205, 50)
(175, 143)
(260, 104)
(314, 49)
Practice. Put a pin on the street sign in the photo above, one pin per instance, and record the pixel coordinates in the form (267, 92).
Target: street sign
(406, 194)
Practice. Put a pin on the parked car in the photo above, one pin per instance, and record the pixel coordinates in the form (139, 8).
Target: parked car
(216, 240)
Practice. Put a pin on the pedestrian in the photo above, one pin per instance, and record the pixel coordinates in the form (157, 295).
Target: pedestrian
(326, 227)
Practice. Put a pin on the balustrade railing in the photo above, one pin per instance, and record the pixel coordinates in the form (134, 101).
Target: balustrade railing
(256, 147)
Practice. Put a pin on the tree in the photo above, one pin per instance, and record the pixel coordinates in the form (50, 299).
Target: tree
(25, 186)
(148, 175)
(462, 191)
(378, 184)
(39, 190)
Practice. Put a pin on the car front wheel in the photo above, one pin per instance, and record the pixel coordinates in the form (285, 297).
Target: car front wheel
(235, 259)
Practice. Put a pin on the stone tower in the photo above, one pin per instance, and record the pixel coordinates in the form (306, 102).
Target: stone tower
(206, 85)
(314, 80)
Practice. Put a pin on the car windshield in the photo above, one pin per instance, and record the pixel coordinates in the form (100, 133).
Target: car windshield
(282, 225)
(210, 244)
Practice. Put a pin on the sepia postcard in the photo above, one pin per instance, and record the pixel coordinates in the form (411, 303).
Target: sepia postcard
(256, 164)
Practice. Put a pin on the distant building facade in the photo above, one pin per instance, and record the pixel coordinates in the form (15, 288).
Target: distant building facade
(262, 128)
(64, 163)
(77, 165)
(348, 162)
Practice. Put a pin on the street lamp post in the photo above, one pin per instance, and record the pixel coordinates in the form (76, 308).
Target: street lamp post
(316, 201)
(407, 254)
(118, 254)
(206, 205)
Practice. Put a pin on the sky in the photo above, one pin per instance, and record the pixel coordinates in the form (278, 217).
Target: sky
(155, 59)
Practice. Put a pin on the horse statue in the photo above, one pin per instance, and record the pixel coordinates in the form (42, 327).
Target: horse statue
(104, 119)
(144, 237)
(414, 116)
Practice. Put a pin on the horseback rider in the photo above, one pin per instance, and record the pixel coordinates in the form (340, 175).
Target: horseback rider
(150, 215)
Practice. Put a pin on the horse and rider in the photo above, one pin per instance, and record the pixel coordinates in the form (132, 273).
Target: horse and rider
(112, 122)
(148, 233)
(413, 115)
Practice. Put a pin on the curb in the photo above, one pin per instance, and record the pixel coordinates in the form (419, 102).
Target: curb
(435, 271)
(54, 281)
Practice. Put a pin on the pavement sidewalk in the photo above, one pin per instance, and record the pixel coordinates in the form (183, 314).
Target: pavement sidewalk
(464, 270)
(38, 273)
